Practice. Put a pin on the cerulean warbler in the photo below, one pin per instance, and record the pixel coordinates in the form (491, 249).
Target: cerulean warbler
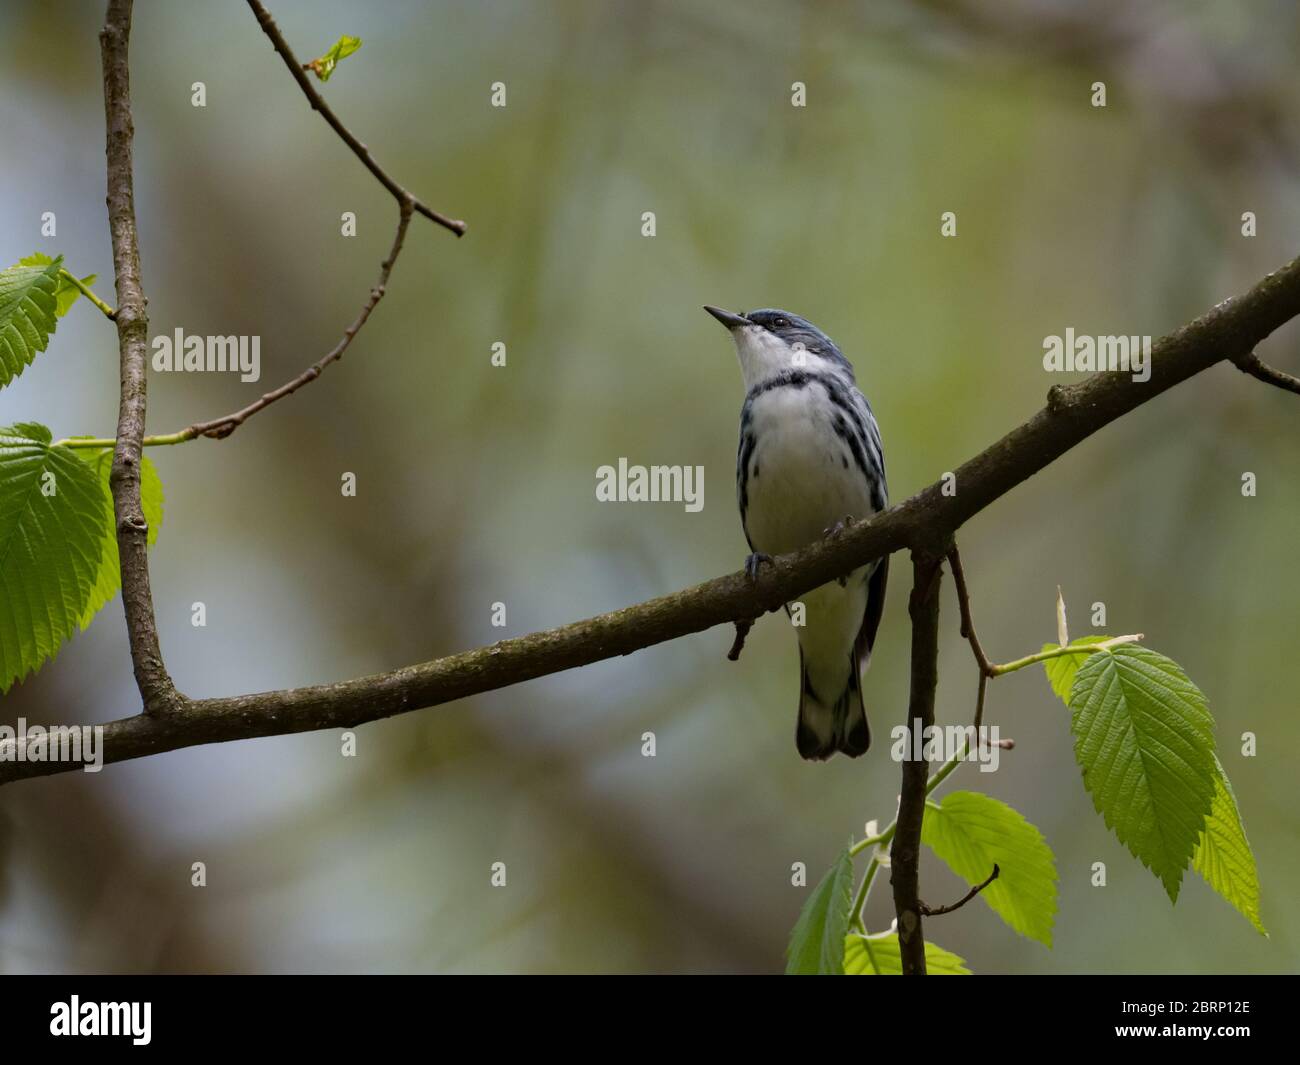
(809, 459)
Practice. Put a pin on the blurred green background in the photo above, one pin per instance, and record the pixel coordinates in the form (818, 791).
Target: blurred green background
(476, 484)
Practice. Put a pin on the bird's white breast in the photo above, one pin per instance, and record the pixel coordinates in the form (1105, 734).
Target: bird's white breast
(802, 475)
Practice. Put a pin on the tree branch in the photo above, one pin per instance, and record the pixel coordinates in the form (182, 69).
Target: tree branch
(905, 854)
(1073, 413)
(156, 688)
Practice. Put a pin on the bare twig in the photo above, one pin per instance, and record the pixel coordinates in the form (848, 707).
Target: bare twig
(1252, 364)
(937, 911)
(968, 634)
(223, 427)
(967, 624)
(156, 689)
(742, 630)
(360, 150)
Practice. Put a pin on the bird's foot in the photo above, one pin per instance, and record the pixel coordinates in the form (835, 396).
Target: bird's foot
(753, 562)
(831, 532)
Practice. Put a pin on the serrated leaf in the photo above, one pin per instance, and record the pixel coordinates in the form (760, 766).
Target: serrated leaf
(1061, 671)
(109, 577)
(972, 833)
(67, 292)
(1224, 857)
(50, 547)
(881, 955)
(1143, 737)
(28, 314)
(323, 66)
(817, 941)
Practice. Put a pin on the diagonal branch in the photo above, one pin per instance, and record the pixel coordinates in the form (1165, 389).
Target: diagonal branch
(219, 428)
(360, 150)
(156, 687)
(927, 520)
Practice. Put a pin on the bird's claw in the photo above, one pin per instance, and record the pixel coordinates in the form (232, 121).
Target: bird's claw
(753, 562)
(833, 531)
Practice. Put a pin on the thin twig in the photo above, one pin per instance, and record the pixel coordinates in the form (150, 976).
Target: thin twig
(1253, 365)
(967, 624)
(742, 630)
(968, 634)
(937, 911)
(219, 428)
(360, 150)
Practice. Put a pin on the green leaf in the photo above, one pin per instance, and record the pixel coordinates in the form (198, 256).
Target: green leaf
(28, 314)
(109, 577)
(817, 942)
(972, 833)
(67, 292)
(1224, 857)
(323, 66)
(1061, 671)
(1143, 736)
(880, 955)
(51, 543)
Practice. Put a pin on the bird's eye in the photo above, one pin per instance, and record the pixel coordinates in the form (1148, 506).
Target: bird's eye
(779, 323)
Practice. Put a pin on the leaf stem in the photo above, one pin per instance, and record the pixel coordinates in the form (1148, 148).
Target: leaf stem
(1059, 652)
(855, 914)
(109, 313)
(107, 441)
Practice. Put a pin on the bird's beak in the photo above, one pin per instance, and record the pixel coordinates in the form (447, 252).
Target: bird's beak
(731, 321)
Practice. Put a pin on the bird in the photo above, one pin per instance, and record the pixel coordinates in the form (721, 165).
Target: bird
(809, 462)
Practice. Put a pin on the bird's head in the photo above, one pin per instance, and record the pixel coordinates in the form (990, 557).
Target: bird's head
(771, 341)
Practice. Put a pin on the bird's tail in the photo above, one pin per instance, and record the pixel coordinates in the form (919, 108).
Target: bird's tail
(836, 725)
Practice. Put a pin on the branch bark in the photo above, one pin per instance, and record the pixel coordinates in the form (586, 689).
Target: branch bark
(926, 521)
(156, 688)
